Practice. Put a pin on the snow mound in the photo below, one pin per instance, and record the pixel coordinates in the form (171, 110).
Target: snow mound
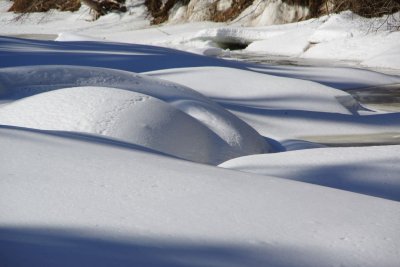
(339, 26)
(283, 44)
(19, 82)
(241, 88)
(285, 108)
(347, 36)
(120, 114)
(367, 170)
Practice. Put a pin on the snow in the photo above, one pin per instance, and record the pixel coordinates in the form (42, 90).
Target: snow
(123, 115)
(285, 108)
(233, 136)
(370, 170)
(110, 140)
(344, 36)
(262, 90)
(283, 44)
(78, 200)
(388, 59)
(271, 12)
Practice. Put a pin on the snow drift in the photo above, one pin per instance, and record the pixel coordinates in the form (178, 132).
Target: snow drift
(370, 170)
(67, 201)
(120, 114)
(17, 83)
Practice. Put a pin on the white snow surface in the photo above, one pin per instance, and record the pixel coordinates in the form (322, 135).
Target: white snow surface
(371, 170)
(225, 135)
(79, 201)
(103, 140)
(123, 115)
(285, 108)
(338, 37)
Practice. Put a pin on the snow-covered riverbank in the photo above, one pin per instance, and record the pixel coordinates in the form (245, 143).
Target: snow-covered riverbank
(371, 43)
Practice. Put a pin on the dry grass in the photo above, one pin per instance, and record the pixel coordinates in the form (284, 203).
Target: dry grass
(28, 6)
(365, 8)
(237, 7)
(159, 9)
(368, 8)
(160, 12)
(101, 7)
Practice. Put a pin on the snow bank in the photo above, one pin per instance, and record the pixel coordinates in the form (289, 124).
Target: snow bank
(288, 107)
(338, 37)
(388, 59)
(340, 26)
(79, 22)
(263, 91)
(343, 78)
(347, 36)
(66, 36)
(343, 36)
(17, 83)
(68, 201)
(283, 44)
(367, 170)
(274, 40)
(124, 115)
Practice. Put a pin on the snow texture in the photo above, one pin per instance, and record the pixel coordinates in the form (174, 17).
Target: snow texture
(105, 132)
(79, 201)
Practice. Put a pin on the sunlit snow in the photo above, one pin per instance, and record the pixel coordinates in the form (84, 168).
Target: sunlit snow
(116, 149)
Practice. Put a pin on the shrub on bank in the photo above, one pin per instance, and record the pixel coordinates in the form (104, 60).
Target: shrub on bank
(101, 7)
(159, 9)
(28, 6)
(365, 8)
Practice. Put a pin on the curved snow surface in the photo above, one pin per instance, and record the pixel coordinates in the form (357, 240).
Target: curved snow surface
(127, 116)
(22, 82)
(70, 202)
(367, 170)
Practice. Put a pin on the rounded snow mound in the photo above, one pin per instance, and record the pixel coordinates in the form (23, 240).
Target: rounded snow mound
(129, 116)
(20, 82)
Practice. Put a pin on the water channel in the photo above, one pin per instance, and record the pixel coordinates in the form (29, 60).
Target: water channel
(384, 98)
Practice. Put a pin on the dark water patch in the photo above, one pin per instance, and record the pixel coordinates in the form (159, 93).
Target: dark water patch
(232, 46)
(262, 59)
(386, 97)
(356, 140)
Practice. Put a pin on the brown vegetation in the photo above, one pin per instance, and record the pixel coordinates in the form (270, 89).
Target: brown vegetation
(237, 7)
(27, 6)
(365, 8)
(159, 9)
(160, 12)
(369, 8)
(101, 7)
